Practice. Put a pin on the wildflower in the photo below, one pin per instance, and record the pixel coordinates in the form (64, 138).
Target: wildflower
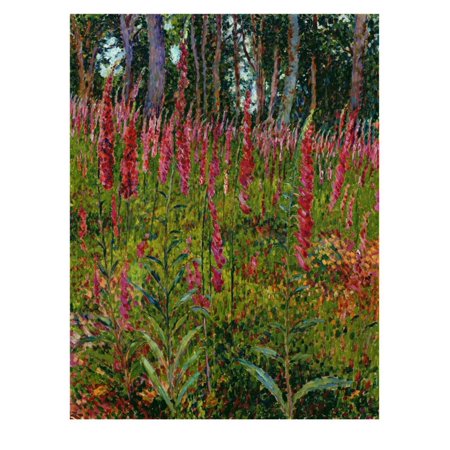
(165, 158)
(184, 137)
(203, 156)
(305, 201)
(83, 227)
(106, 139)
(97, 289)
(129, 169)
(247, 163)
(141, 248)
(343, 160)
(217, 279)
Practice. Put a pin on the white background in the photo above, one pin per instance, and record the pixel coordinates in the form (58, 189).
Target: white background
(34, 238)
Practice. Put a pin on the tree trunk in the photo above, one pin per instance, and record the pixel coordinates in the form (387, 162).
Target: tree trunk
(237, 72)
(314, 73)
(198, 94)
(290, 80)
(274, 84)
(359, 47)
(216, 65)
(260, 78)
(127, 22)
(156, 64)
(82, 46)
(204, 37)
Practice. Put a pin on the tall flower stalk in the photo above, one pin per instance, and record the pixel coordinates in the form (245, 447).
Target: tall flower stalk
(105, 147)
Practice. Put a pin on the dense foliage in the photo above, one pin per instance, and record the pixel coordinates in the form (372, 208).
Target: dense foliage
(225, 264)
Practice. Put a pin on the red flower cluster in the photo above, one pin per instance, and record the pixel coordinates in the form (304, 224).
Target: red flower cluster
(216, 244)
(248, 162)
(165, 158)
(194, 278)
(83, 227)
(305, 202)
(203, 156)
(129, 168)
(343, 159)
(184, 137)
(217, 280)
(106, 140)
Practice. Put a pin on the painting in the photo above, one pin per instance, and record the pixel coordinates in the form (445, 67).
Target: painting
(224, 216)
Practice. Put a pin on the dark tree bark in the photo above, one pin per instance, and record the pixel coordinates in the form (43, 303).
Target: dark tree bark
(198, 94)
(237, 72)
(216, 65)
(204, 37)
(359, 47)
(274, 84)
(83, 46)
(290, 80)
(127, 23)
(314, 72)
(156, 64)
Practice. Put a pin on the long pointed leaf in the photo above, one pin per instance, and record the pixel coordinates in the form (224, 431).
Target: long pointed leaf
(183, 346)
(154, 347)
(186, 386)
(155, 381)
(320, 384)
(266, 380)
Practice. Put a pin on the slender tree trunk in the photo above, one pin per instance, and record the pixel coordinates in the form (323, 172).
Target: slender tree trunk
(127, 22)
(359, 47)
(292, 72)
(314, 72)
(198, 94)
(258, 63)
(156, 64)
(274, 84)
(82, 47)
(237, 72)
(204, 37)
(216, 65)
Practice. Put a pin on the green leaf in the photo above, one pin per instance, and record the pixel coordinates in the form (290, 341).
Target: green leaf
(179, 324)
(193, 379)
(105, 321)
(320, 384)
(154, 347)
(148, 296)
(174, 244)
(201, 310)
(300, 357)
(189, 361)
(305, 325)
(155, 259)
(183, 346)
(266, 380)
(177, 279)
(186, 297)
(181, 257)
(157, 384)
(266, 351)
(157, 329)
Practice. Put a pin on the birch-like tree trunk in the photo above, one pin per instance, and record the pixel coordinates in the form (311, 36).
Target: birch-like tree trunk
(156, 64)
(359, 47)
(127, 23)
(274, 84)
(237, 72)
(290, 80)
(216, 65)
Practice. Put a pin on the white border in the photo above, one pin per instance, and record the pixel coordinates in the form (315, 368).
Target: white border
(34, 186)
